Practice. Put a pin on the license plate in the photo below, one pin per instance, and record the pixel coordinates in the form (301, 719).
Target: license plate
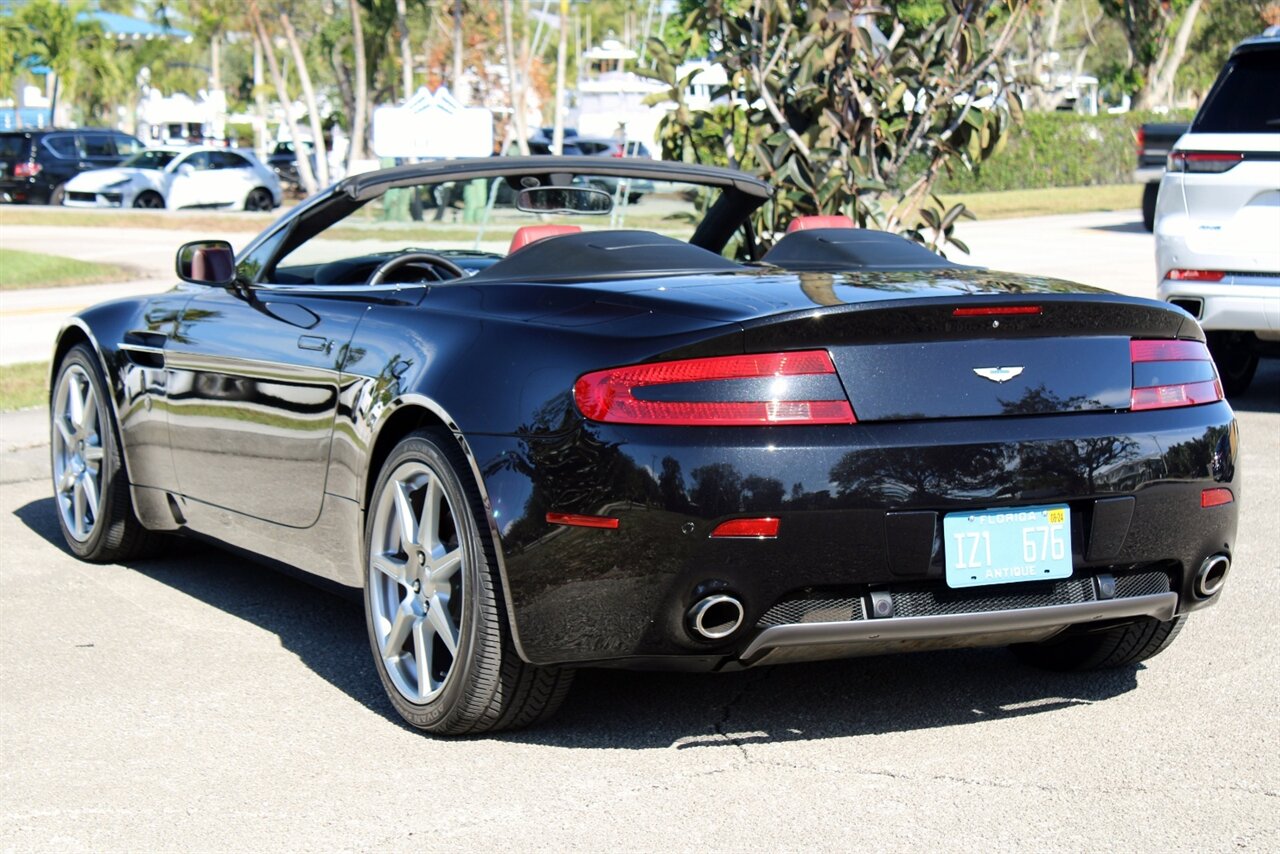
(1006, 546)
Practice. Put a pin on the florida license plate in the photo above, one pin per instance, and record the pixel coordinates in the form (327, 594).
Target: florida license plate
(1006, 546)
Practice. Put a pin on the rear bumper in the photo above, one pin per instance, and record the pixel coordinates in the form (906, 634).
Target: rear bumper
(1148, 174)
(24, 192)
(1241, 302)
(861, 511)
(810, 641)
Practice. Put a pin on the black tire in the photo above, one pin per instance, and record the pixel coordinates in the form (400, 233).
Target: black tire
(58, 194)
(259, 199)
(1236, 359)
(149, 199)
(116, 535)
(1150, 193)
(488, 686)
(1102, 649)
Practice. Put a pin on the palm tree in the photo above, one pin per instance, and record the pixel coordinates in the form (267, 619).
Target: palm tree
(71, 44)
(14, 42)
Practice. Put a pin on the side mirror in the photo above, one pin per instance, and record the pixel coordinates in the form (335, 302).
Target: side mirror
(186, 170)
(207, 262)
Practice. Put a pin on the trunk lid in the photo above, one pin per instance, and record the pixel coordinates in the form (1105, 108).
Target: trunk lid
(918, 360)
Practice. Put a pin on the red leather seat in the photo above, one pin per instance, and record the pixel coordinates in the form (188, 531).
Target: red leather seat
(212, 264)
(533, 233)
(804, 223)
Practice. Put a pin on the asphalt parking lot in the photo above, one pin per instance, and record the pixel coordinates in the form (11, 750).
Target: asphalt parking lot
(197, 701)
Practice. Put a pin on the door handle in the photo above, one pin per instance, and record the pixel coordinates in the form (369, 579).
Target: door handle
(314, 342)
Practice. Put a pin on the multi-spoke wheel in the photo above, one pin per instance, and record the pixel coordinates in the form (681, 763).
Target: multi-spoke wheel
(433, 604)
(416, 588)
(90, 487)
(77, 452)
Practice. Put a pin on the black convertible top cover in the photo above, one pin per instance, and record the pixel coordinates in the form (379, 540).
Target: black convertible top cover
(594, 255)
(835, 249)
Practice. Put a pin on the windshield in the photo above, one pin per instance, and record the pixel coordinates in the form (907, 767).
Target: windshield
(481, 216)
(150, 159)
(477, 222)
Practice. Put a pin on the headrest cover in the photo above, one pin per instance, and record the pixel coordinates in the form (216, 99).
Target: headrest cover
(804, 223)
(533, 233)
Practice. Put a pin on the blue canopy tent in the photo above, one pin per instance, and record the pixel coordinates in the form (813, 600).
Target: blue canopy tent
(117, 26)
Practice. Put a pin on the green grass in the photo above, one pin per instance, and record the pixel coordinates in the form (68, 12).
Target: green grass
(1009, 204)
(201, 221)
(23, 385)
(31, 270)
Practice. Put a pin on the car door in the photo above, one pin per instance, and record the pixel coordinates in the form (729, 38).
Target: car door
(126, 146)
(252, 395)
(97, 150)
(60, 160)
(237, 177)
(193, 182)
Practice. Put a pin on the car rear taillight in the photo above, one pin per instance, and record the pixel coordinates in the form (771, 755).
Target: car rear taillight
(1216, 497)
(762, 527)
(1169, 373)
(1142, 140)
(1196, 275)
(717, 391)
(995, 310)
(26, 170)
(582, 520)
(1202, 161)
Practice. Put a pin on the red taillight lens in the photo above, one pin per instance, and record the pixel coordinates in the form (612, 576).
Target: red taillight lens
(1202, 161)
(26, 170)
(1167, 351)
(995, 310)
(610, 395)
(1197, 275)
(1142, 140)
(1216, 497)
(1169, 373)
(581, 520)
(765, 526)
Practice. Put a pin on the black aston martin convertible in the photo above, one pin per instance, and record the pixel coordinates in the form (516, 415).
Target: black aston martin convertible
(623, 434)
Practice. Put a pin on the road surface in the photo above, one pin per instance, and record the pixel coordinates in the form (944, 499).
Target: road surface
(199, 701)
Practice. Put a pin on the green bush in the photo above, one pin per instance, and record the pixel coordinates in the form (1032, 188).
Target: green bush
(1060, 150)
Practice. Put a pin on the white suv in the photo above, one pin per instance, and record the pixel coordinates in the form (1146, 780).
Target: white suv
(1218, 215)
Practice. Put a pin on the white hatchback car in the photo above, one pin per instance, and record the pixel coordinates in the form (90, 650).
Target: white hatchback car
(195, 177)
(1218, 215)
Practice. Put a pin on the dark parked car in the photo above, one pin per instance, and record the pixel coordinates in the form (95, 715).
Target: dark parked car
(633, 190)
(1154, 143)
(283, 160)
(36, 164)
(620, 448)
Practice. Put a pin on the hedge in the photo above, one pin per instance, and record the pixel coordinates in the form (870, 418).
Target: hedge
(1060, 150)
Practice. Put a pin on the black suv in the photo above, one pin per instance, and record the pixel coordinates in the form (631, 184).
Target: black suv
(34, 164)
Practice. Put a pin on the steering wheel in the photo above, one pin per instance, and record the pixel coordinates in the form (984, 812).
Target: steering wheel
(389, 266)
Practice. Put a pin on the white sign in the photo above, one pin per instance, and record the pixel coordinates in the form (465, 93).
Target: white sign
(432, 125)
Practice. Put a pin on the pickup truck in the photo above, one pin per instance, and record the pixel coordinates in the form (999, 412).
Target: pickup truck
(1154, 143)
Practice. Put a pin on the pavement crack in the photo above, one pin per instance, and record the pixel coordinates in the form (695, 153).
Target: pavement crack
(721, 727)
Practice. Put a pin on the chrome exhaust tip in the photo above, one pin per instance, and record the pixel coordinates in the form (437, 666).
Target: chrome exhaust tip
(715, 617)
(1211, 576)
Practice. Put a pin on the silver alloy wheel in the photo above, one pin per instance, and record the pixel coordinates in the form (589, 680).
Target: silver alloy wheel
(77, 452)
(416, 582)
